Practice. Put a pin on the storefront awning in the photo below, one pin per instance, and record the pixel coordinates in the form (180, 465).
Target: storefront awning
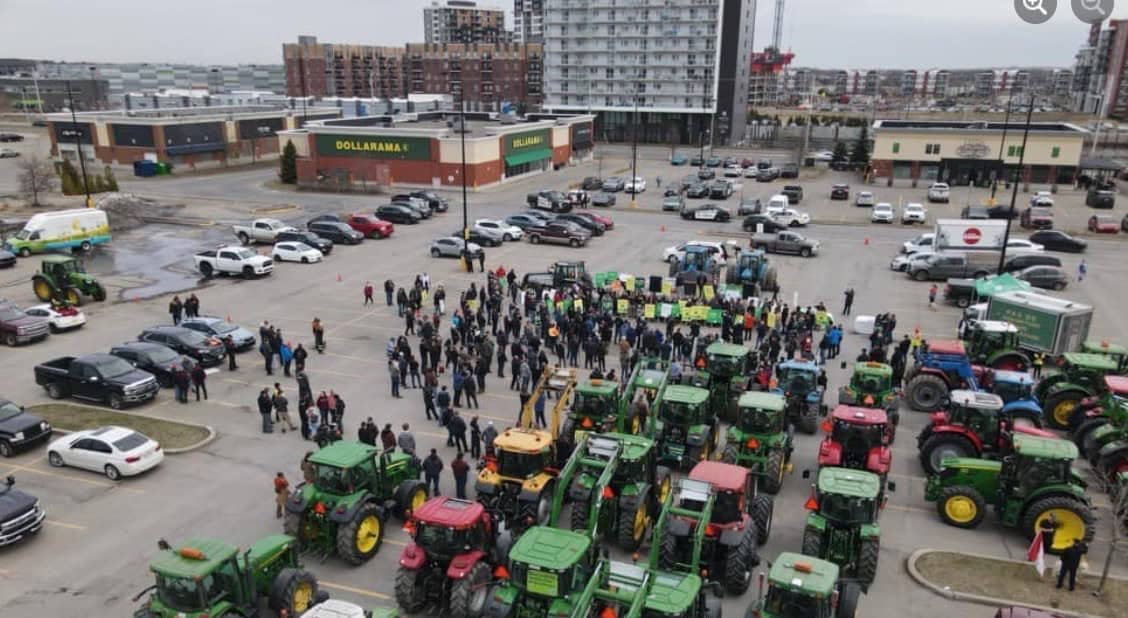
(528, 156)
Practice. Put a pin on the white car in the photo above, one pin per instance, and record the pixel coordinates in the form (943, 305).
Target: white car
(864, 198)
(920, 243)
(791, 217)
(638, 185)
(296, 252)
(913, 213)
(902, 261)
(59, 318)
(733, 172)
(721, 250)
(111, 450)
(507, 232)
(882, 213)
(1021, 245)
(824, 155)
(939, 192)
(751, 172)
(335, 608)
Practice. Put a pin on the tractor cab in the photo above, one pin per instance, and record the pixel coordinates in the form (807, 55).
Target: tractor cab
(1116, 352)
(798, 379)
(846, 497)
(732, 485)
(842, 524)
(805, 587)
(565, 274)
(1016, 389)
(761, 414)
(697, 259)
(858, 438)
(729, 366)
(548, 571)
(593, 408)
(684, 426)
(513, 485)
(871, 386)
(987, 339)
(1037, 462)
(751, 267)
(761, 439)
(445, 527)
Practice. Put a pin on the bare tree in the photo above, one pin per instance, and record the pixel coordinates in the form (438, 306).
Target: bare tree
(36, 176)
(1117, 490)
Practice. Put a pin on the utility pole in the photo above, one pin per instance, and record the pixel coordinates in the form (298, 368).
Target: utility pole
(465, 222)
(1002, 146)
(78, 145)
(634, 153)
(1014, 192)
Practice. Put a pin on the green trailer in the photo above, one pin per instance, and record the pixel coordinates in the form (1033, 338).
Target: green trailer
(761, 439)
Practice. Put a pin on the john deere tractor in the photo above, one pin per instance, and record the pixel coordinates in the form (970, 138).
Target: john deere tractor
(994, 344)
(1103, 436)
(842, 525)
(684, 427)
(594, 406)
(1117, 352)
(633, 591)
(355, 488)
(205, 577)
(644, 388)
(63, 280)
(805, 587)
(714, 520)
(798, 381)
(729, 367)
(550, 572)
(1025, 489)
(871, 386)
(616, 486)
(761, 439)
(1079, 376)
(751, 267)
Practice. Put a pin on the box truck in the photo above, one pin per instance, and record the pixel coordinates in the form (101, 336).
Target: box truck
(1045, 324)
(80, 228)
(969, 234)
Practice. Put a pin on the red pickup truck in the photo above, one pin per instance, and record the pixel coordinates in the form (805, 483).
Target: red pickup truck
(370, 226)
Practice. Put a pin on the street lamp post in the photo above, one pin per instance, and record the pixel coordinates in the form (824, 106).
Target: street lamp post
(465, 219)
(1002, 145)
(78, 144)
(1014, 190)
(634, 152)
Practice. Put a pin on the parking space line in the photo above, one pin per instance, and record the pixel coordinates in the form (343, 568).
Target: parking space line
(72, 478)
(356, 358)
(336, 373)
(51, 522)
(910, 509)
(395, 542)
(909, 477)
(360, 591)
(506, 397)
(367, 314)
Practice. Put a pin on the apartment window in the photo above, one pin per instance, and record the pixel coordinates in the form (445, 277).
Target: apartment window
(610, 73)
(896, 147)
(932, 149)
(1054, 152)
(1014, 151)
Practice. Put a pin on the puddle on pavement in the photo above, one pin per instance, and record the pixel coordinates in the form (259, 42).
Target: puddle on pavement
(153, 259)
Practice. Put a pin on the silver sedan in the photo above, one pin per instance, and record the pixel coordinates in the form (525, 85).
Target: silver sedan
(451, 246)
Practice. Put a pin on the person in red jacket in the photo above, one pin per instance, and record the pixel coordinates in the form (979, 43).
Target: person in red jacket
(281, 492)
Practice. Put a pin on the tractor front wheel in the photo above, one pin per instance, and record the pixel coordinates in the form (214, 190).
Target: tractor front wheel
(633, 521)
(762, 511)
(360, 539)
(772, 478)
(1074, 521)
(293, 590)
(926, 392)
(738, 565)
(98, 293)
(410, 592)
(809, 422)
(961, 506)
(848, 598)
(580, 511)
(730, 454)
(1083, 437)
(468, 595)
(667, 550)
(292, 525)
(1062, 408)
(942, 446)
(867, 562)
(410, 495)
(812, 542)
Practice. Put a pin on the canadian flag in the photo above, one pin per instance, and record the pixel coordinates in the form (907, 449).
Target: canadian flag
(1037, 554)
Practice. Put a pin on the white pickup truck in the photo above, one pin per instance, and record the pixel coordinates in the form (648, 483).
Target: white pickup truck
(233, 261)
(259, 231)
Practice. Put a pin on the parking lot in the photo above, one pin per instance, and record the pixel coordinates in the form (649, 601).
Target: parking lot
(94, 552)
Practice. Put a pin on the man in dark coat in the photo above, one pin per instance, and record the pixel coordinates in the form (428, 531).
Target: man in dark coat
(266, 406)
(432, 466)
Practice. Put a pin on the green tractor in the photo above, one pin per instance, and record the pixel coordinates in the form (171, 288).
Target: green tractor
(730, 367)
(1116, 352)
(761, 439)
(842, 525)
(1103, 436)
(62, 280)
(1079, 376)
(616, 487)
(799, 383)
(594, 406)
(205, 577)
(550, 572)
(871, 386)
(647, 383)
(684, 427)
(994, 344)
(344, 509)
(805, 587)
(1026, 488)
(751, 267)
(633, 591)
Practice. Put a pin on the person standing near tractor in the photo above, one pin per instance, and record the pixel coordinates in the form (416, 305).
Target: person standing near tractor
(281, 493)
(432, 466)
(461, 471)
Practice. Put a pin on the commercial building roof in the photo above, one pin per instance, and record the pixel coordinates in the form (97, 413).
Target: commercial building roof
(975, 125)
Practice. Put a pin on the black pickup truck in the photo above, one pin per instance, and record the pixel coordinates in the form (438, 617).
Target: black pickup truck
(20, 515)
(959, 292)
(20, 430)
(96, 377)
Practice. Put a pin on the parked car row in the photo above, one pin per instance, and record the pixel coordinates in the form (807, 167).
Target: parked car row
(572, 228)
(20, 326)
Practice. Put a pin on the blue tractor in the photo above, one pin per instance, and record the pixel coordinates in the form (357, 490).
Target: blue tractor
(698, 266)
(798, 382)
(1017, 392)
(941, 368)
(752, 267)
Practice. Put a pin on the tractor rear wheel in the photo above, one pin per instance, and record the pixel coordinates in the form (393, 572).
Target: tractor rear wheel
(738, 565)
(926, 392)
(1074, 521)
(662, 484)
(961, 506)
(848, 598)
(712, 607)
(772, 479)
(1061, 408)
(468, 595)
(762, 511)
(1083, 437)
(360, 539)
(633, 522)
(867, 561)
(292, 525)
(667, 550)
(293, 590)
(580, 511)
(98, 293)
(770, 284)
(72, 296)
(42, 288)
(809, 422)
(410, 495)
(812, 542)
(941, 446)
(730, 454)
(410, 592)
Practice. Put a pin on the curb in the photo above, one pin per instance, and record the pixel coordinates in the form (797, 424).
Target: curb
(910, 566)
(212, 433)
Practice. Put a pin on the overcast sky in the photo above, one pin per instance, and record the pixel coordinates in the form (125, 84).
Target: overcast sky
(822, 33)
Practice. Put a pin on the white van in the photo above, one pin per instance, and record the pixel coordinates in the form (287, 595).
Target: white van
(80, 228)
(777, 204)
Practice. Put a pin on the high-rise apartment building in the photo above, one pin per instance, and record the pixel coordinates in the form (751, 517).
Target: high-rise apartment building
(682, 64)
(329, 69)
(463, 21)
(487, 76)
(528, 20)
(1100, 72)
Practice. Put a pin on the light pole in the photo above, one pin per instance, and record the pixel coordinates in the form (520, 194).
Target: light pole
(1002, 145)
(1014, 191)
(465, 222)
(78, 144)
(634, 152)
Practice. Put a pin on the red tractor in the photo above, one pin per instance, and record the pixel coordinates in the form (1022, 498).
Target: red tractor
(448, 564)
(972, 426)
(858, 438)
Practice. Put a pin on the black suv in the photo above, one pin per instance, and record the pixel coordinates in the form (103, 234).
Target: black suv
(158, 359)
(770, 225)
(324, 245)
(1100, 198)
(207, 350)
(335, 231)
(790, 170)
(1018, 262)
(398, 213)
(20, 430)
(20, 515)
(437, 204)
(794, 193)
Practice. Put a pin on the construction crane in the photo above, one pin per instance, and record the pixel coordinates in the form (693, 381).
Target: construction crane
(768, 64)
